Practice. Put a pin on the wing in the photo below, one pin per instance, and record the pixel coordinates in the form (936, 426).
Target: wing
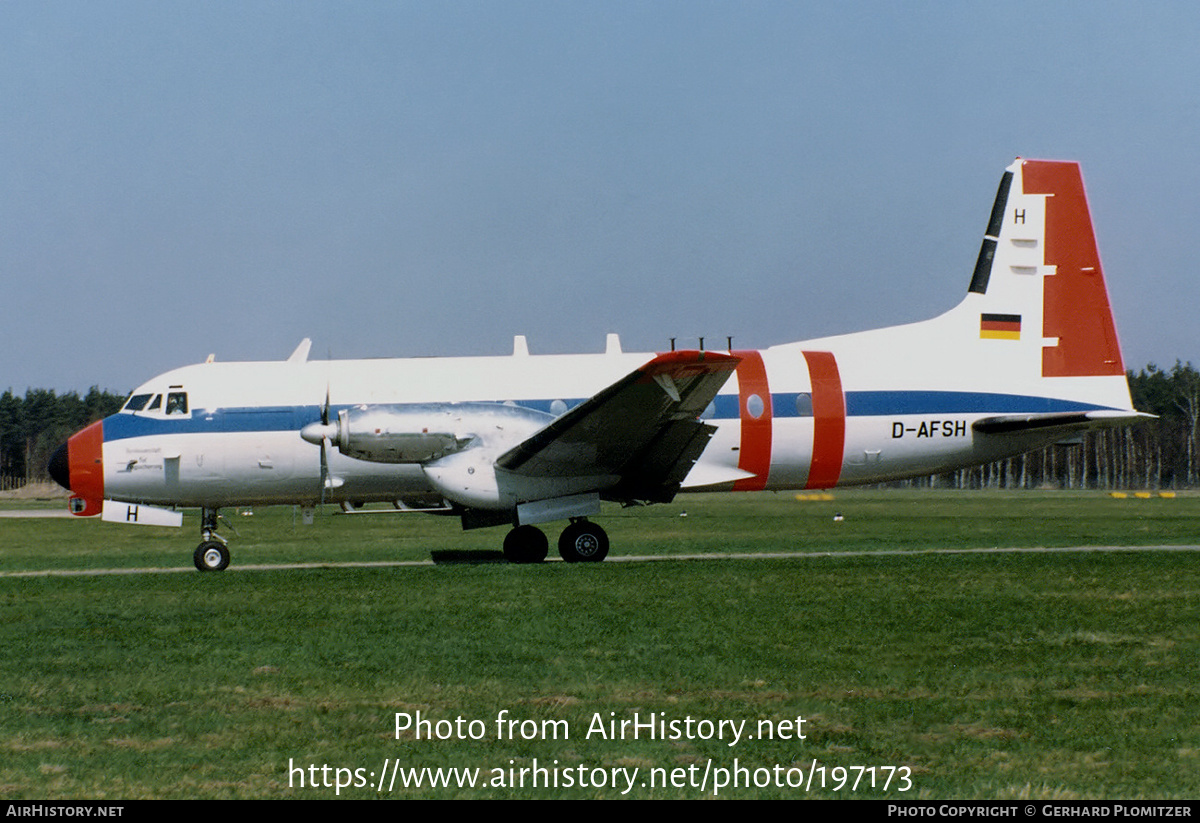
(644, 429)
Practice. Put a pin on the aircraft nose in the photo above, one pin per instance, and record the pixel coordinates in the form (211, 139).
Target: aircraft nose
(78, 465)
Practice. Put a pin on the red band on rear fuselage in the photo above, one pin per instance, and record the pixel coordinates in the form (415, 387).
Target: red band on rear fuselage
(754, 409)
(829, 420)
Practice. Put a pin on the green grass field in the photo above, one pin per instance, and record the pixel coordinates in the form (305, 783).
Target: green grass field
(1010, 675)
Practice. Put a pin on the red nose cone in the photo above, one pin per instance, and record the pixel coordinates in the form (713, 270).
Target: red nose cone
(84, 469)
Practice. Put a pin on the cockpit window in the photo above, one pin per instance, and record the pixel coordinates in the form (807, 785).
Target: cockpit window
(137, 402)
(176, 403)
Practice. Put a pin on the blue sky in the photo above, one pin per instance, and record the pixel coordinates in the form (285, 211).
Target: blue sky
(431, 178)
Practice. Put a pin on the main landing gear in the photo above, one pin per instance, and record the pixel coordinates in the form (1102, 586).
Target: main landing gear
(212, 555)
(580, 542)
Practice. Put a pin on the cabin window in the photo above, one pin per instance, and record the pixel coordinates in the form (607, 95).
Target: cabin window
(755, 406)
(804, 405)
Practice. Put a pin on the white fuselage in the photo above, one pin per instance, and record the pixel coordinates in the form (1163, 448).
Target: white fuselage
(792, 417)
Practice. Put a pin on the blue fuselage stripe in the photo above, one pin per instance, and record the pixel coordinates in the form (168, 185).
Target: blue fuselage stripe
(891, 403)
(725, 407)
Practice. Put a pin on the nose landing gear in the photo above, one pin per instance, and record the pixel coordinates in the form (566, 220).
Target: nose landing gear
(212, 555)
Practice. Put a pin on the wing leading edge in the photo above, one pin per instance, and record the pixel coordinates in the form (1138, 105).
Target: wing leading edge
(644, 429)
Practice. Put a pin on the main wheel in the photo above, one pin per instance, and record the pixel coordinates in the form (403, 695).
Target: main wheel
(583, 542)
(526, 544)
(211, 556)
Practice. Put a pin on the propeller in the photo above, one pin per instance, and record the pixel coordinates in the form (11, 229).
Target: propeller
(325, 446)
(322, 434)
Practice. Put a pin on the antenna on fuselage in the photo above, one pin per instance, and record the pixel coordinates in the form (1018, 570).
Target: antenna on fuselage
(300, 355)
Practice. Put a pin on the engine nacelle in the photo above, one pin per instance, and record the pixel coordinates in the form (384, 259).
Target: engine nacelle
(424, 432)
(388, 435)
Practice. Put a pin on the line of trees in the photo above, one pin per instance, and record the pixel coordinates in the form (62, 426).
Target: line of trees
(1157, 454)
(33, 426)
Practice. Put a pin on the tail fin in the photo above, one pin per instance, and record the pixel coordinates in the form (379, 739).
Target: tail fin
(1035, 325)
(1041, 232)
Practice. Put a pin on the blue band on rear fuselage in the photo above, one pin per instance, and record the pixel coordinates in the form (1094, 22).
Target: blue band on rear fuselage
(784, 404)
(892, 403)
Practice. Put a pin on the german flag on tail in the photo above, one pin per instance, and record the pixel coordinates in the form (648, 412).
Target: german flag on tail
(1000, 326)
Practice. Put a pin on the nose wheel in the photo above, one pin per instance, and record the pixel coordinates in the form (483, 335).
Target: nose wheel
(212, 555)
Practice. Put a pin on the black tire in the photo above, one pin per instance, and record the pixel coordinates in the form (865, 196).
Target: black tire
(211, 556)
(526, 544)
(583, 542)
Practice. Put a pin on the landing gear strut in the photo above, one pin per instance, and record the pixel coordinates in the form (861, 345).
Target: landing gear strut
(212, 555)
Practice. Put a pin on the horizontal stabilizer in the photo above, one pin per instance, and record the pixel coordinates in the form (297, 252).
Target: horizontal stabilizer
(1066, 421)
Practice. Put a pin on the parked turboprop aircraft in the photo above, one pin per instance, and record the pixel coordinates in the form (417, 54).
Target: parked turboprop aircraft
(1029, 357)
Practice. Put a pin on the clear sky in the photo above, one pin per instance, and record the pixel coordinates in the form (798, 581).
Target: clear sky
(431, 178)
